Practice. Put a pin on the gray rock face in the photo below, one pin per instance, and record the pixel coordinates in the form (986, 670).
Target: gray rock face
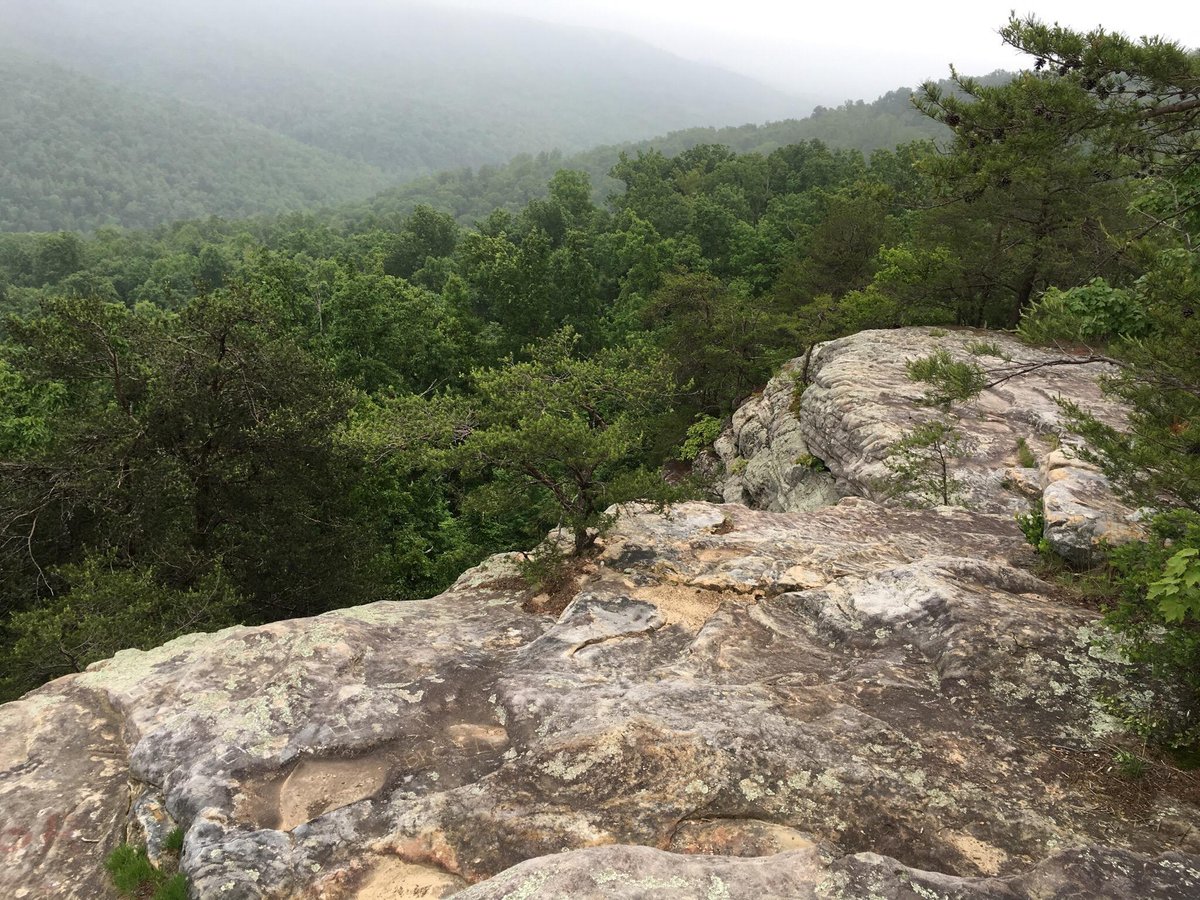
(859, 402)
(827, 686)
(625, 873)
(858, 700)
(766, 458)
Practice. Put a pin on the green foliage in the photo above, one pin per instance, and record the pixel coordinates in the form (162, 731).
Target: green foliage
(1033, 526)
(544, 569)
(1041, 170)
(950, 380)
(1130, 765)
(1025, 457)
(102, 608)
(987, 348)
(173, 842)
(808, 461)
(572, 429)
(723, 340)
(134, 876)
(1177, 592)
(1156, 617)
(700, 435)
(921, 465)
(130, 868)
(1092, 312)
(1154, 461)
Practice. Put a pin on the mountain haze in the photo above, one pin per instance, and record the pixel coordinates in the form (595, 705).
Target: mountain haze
(76, 151)
(388, 92)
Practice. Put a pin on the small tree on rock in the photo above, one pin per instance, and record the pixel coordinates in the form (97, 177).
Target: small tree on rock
(922, 465)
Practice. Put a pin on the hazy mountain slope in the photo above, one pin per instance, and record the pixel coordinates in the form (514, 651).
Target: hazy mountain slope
(406, 88)
(471, 194)
(78, 153)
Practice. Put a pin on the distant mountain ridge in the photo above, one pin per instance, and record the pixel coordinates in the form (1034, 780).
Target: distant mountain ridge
(76, 152)
(470, 194)
(387, 92)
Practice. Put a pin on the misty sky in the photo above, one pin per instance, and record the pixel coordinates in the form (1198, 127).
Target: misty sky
(836, 50)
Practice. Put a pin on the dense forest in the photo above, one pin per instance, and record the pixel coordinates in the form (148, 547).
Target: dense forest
(78, 153)
(222, 422)
(136, 113)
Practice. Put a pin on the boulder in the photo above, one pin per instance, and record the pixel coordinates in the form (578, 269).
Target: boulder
(846, 406)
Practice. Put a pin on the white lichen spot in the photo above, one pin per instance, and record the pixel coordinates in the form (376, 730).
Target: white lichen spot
(649, 883)
(750, 790)
(529, 888)
(800, 781)
(560, 768)
(828, 782)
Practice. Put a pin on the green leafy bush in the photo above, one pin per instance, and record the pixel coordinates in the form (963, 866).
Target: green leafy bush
(700, 434)
(1156, 615)
(1033, 526)
(1178, 590)
(1093, 312)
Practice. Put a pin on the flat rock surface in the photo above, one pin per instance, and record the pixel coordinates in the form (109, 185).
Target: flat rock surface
(626, 873)
(768, 696)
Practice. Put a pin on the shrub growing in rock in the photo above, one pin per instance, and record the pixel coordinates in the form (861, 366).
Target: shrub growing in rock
(921, 464)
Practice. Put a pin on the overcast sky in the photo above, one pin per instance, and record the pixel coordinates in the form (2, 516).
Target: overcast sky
(836, 50)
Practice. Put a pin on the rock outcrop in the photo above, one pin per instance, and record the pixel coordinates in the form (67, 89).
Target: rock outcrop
(767, 462)
(847, 405)
(861, 700)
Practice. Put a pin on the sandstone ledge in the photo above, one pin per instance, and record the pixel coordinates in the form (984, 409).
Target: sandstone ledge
(807, 688)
